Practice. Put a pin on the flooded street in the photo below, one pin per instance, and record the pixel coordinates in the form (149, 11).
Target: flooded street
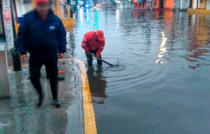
(161, 85)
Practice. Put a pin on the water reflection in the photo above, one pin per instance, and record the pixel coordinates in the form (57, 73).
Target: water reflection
(162, 48)
(199, 39)
(167, 96)
(97, 84)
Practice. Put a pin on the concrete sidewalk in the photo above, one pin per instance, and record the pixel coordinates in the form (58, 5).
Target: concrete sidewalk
(18, 114)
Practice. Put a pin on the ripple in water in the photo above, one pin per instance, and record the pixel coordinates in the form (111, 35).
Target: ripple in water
(162, 79)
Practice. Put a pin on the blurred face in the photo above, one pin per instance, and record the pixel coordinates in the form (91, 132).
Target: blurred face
(43, 8)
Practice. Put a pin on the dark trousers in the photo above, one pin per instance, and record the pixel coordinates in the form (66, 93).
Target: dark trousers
(50, 63)
(90, 58)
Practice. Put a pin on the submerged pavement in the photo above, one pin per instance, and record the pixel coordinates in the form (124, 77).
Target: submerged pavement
(161, 85)
(18, 114)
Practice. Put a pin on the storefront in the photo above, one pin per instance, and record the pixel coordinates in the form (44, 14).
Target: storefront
(200, 6)
(154, 4)
(163, 4)
(23, 6)
(139, 4)
(183, 4)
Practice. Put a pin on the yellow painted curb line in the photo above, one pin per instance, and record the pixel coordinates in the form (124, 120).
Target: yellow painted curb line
(89, 115)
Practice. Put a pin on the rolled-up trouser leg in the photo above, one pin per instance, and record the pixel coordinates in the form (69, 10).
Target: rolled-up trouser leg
(52, 73)
(34, 71)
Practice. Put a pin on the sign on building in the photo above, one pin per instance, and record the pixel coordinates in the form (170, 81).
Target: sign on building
(8, 28)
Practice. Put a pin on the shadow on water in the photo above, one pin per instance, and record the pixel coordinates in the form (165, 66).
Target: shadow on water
(162, 86)
(97, 84)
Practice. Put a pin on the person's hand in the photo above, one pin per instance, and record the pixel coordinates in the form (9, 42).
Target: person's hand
(24, 58)
(97, 57)
(61, 55)
(88, 52)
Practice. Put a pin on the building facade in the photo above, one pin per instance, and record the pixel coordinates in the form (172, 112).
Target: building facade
(201, 4)
(154, 4)
(183, 4)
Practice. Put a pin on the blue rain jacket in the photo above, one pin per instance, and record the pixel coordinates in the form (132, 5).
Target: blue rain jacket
(41, 37)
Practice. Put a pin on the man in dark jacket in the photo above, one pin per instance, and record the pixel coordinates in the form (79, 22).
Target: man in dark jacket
(43, 35)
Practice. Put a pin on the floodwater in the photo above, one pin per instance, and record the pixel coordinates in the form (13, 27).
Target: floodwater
(161, 85)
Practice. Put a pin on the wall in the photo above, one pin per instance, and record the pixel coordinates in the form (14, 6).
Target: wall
(168, 3)
(208, 4)
(184, 4)
(135, 1)
(1, 23)
(177, 4)
(194, 4)
(137, 5)
(22, 8)
(156, 4)
(203, 4)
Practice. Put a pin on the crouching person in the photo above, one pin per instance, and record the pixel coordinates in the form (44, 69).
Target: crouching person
(93, 43)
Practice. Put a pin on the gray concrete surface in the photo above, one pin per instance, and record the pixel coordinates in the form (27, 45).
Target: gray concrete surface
(18, 114)
(4, 84)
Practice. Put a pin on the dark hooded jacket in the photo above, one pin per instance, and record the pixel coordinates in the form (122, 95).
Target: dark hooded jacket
(41, 37)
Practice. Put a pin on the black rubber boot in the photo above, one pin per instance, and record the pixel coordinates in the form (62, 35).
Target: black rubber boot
(57, 103)
(61, 78)
(40, 102)
(90, 64)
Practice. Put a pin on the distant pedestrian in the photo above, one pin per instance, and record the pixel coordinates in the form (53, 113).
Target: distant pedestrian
(43, 35)
(93, 43)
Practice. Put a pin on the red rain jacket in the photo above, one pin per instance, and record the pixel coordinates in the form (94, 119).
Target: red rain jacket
(91, 43)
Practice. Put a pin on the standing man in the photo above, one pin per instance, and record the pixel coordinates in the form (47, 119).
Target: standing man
(93, 43)
(43, 35)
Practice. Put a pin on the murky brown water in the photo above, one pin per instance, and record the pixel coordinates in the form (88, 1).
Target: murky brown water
(162, 83)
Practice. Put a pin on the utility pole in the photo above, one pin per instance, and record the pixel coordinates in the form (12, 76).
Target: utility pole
(6, 44)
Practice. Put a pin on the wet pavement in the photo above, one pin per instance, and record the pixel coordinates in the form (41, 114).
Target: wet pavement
(161, 85)
(19, 114)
